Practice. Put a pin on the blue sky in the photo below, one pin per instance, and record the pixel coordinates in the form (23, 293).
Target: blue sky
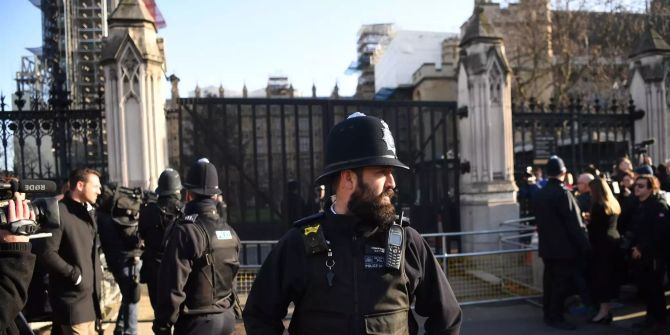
(234, 42)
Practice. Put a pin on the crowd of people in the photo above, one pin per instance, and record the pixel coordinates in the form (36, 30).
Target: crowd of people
(354, 267)
(607, 230)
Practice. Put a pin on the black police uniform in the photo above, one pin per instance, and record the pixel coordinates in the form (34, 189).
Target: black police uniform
(562, 241)
(201, 260)
(349, 289)
(365, 297)
(195, 292)
(155, 219)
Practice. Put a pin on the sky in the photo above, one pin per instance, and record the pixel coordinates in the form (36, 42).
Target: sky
(234, 42)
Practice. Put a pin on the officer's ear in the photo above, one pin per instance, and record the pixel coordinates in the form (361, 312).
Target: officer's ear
(348, 180)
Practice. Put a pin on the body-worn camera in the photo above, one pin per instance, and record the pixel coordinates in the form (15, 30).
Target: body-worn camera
(46, 209)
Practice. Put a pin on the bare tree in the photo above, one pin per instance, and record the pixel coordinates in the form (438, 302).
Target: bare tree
(571, 47)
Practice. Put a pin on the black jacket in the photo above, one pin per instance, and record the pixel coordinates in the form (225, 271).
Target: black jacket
(650, 227)
(559, 223)
(16, 269)
(289, 274)
(186, 244)
(155, 218)
(70, 252)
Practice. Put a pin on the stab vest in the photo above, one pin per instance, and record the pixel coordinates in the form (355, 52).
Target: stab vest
(366, 297)
(209, 288)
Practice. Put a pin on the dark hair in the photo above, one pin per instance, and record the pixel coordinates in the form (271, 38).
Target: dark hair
(662, 170)
(335, 179)
(593, 170)
(652, 182)
(78, 175)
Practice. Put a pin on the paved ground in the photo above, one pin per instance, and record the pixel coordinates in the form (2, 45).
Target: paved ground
(519, 317)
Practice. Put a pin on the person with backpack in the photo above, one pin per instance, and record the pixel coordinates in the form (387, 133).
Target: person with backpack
(121, 244)
(157, 217)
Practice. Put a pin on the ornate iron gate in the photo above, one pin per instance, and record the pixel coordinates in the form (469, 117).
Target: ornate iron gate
(581, 134)
(48, 141)
(259, 145)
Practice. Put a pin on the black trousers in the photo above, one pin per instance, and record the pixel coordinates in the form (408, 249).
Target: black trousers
(214, 324)
(650, 284)
(557, 280)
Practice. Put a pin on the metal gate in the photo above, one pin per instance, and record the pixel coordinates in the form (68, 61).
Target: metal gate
(581, 134)
(47, 141)
(260, 145)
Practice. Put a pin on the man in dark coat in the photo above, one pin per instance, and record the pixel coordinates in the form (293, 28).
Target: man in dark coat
(354, 269)
(562, 241)
(650, 227)
(16, 269)
(72, 259)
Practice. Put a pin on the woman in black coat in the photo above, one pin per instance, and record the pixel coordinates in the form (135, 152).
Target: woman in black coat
(604, 238)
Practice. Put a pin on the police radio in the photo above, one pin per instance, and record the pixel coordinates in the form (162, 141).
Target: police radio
(394, 245)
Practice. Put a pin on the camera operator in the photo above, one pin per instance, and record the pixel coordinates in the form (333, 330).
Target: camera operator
(16, 267)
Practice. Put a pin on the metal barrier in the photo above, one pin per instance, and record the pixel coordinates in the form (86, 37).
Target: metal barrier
(514, 271)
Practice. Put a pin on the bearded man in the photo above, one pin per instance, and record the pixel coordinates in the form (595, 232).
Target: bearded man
(356, 268)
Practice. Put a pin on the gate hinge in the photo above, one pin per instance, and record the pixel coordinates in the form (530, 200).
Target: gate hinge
(462, 112)
(465, 167)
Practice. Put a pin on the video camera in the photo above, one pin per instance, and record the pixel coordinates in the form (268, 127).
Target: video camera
(46, 209)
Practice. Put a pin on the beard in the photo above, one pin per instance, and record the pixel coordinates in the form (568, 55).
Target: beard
(370, 209)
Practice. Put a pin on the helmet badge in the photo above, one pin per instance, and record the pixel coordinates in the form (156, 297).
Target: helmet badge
(388, 137)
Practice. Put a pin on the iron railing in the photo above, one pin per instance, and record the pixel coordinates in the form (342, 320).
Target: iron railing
(47, 141)
(582, 134)
(259, 145)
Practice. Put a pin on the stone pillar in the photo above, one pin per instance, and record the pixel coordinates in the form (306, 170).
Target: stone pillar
(488, 192)
(650, 89)
(133, 60)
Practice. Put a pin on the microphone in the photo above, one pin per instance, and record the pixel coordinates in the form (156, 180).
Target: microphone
(646, 142)
(30, 186)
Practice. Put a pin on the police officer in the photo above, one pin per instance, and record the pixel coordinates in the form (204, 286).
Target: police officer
(156, 218)
(201, 259)
(562, 242)
(353, 269)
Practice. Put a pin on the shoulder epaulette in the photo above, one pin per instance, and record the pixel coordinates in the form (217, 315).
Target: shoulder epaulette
(309, 220)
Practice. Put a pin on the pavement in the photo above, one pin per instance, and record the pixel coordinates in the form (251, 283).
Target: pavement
(515, 317)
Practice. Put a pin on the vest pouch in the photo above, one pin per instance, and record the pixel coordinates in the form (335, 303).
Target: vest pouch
(389, 323)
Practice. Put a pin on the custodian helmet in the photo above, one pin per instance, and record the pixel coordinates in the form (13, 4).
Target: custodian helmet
(168, 182)
(359, 141)
(202, 178)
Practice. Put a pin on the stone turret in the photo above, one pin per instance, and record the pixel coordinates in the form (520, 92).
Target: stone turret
(488, 192)
(133, 61)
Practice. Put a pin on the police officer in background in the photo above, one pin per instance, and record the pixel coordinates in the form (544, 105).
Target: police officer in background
(201, 259)
(353, 269)
(156, 218)
(562, 241)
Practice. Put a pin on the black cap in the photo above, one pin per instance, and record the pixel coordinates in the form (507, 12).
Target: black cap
(359, 141)
(168, 182)
(644, 169)
(555, 166)
(202, 178)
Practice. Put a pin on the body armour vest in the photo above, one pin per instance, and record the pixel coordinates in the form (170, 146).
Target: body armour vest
(209, 288)
(363, 297)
